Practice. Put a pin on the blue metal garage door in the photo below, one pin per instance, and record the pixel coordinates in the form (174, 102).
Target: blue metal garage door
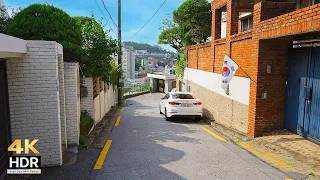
(314, 118)
(302, 110)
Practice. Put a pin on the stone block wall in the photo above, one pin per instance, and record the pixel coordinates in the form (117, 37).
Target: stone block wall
(86, 103)
(72, 96)
(62, 102)
(34, 99)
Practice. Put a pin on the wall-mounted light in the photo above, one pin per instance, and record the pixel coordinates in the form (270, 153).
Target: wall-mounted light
(265, 95)
(269, 69)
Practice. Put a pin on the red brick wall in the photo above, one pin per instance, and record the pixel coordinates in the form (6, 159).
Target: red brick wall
(273, 9)
(255, 50)
(241, 53)
(192, 58)
(270, 112)
(205, 59)
(201, 57)
(218, 57)
(301, 21)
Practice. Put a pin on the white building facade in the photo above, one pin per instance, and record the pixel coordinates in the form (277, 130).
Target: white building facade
(128, 63)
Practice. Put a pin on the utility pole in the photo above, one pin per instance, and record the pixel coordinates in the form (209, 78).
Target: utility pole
(120, 54)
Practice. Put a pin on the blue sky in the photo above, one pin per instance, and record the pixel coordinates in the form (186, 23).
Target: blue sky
(135, 14)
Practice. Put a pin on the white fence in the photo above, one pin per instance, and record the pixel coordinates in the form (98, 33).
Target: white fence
(99, 100)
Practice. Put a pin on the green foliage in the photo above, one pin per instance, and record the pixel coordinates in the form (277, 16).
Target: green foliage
(46, 22)
(311, 174)
(170, 34)
(171, 37)
(144, 46)
(162, 63)
(181, 64)
(86, 124)
(191, 24)
(137, 63)
(195, 17)
(99, 49)
(116, 73)
(6, 18)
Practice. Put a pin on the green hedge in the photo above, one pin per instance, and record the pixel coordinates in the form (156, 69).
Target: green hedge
(86, 124)
(46, 22)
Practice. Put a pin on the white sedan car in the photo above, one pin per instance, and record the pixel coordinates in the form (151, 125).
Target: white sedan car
(180, 104)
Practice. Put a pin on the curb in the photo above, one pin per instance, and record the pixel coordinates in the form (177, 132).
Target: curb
(100, 126)
(230, 134)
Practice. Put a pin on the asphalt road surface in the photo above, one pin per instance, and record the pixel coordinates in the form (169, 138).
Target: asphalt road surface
(145, 146)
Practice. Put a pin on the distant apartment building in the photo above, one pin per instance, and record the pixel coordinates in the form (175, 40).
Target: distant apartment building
(128, 62)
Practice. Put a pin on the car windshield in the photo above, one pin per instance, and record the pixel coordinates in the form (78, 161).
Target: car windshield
(182, 96)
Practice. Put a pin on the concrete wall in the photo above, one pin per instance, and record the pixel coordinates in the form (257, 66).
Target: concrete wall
(230, 110)
(86, 103)
(111, 101)
(102, 101)
(34, 99)
(12, 46)
(62, 102)
(107, 97)
(96, 105)
(239, 88)
(100, 105)
(72, 92)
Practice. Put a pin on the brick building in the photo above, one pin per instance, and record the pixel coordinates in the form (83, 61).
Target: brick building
(277, 44)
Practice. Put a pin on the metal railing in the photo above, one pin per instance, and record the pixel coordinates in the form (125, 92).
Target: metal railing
(135, 89)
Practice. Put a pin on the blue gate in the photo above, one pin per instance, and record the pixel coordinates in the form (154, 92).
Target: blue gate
(314, 118)
(302, 110)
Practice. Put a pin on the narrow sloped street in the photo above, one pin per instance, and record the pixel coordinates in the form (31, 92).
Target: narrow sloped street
(145, 146)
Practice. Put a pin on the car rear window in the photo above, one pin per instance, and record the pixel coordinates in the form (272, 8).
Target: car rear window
(182, 96)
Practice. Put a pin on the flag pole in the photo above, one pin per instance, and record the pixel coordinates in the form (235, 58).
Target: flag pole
(241, 68)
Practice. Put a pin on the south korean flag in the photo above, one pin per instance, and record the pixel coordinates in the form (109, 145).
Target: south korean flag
(228, 70)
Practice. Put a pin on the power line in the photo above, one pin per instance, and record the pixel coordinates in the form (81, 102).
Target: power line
(104, 5)
(150, 18)
(104, 17)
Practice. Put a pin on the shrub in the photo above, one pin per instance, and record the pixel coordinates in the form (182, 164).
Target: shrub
(46, 22)
(86, 124)
(99, 48)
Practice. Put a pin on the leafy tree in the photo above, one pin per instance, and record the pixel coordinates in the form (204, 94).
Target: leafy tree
(99, 49)
(191, 24)
(116, 73)
(195, 17)
(171, 37)
(40, 21)
(181, 64)
(170, 34)
(137, 63)
(6, 18)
